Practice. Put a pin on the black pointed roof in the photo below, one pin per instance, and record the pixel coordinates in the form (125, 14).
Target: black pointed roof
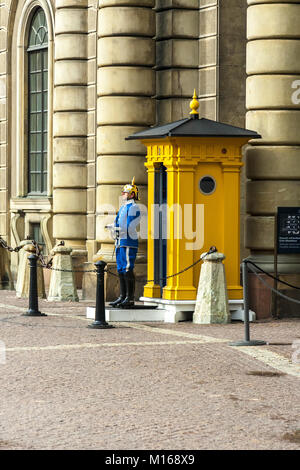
(191, 127)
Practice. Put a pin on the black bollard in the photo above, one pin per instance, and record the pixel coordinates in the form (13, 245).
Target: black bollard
(100, 322)
(33, 310)
(247, 341)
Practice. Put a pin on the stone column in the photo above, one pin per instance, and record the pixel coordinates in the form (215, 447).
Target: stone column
(273, 163)
(70, 124)
(62, 285)
(125, 87)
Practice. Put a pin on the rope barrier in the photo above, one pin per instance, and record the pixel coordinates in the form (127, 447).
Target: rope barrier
(272, 288)
(273, 277)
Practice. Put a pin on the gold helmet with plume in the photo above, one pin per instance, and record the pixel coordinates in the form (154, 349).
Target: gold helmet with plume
(131, 189)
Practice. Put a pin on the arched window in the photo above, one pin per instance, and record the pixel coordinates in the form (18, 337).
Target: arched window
(37, 104)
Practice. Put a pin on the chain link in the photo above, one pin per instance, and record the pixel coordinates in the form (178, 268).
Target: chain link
(40, 256)
(68, 270)
(9, 248)
(48, 265)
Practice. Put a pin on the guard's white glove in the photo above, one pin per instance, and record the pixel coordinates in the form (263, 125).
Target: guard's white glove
(114, 231)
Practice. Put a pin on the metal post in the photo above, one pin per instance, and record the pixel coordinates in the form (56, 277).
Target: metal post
(100, 322)
(246, 300)
(247, 341)
(274, 294)
(33, 310)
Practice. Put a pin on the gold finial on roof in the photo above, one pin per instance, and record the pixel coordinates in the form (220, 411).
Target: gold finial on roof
(133, 181)
(194, 105)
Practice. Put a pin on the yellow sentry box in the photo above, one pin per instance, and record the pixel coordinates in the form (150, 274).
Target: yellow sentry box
(196, 163)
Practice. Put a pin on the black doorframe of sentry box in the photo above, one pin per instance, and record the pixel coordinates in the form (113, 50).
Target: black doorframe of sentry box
(160, 242)
(292, 243)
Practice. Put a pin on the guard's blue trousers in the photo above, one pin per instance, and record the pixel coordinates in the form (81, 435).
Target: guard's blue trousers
(125, 258)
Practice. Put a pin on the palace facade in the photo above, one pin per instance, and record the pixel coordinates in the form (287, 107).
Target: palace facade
(79, 76)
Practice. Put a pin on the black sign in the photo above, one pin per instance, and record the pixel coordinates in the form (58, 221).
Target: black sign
(288, 230)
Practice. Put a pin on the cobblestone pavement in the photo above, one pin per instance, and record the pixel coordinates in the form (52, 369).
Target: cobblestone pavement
(150, 386)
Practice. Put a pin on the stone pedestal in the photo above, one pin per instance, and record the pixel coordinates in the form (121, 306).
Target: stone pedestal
(22, 261)
(212, 301)
(23, 281)
(6, 282)
(62, 283)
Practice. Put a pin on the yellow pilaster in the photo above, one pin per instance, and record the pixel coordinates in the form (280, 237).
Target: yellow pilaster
(151, 289)
(231, 247)
(180, 185)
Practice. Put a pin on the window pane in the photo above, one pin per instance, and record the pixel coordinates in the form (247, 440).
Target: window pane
(45, 61)
(38, 162)
(32, 61)
(38, 183)
(32, 102)
(45, 162)
(32, 84)
(38, 82)
(45, 101)
(45, 181)
(45, 121)
(39, 121)
(39, 62)
(33, 122)
(39, 102)
(32, 181)
(45, 140)
(32, 163)
(45, 81)
(32, 139)
(39, 142)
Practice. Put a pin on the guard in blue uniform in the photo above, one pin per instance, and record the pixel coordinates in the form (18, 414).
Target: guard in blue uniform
(126, 238)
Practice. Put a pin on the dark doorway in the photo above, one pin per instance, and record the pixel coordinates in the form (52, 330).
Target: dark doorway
(160, 229)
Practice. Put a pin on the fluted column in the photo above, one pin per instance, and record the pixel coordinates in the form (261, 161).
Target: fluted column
(177, 46)
(125, 86)
(273, 163)
(70, 123)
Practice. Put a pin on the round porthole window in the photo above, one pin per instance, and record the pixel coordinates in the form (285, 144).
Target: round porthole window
(207, 185)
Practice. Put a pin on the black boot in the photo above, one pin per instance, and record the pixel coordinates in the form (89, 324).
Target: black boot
(122, 295)
(130, 287)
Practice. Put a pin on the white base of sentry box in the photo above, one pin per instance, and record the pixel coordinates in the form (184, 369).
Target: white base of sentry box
(167, 311)
(128, 315)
